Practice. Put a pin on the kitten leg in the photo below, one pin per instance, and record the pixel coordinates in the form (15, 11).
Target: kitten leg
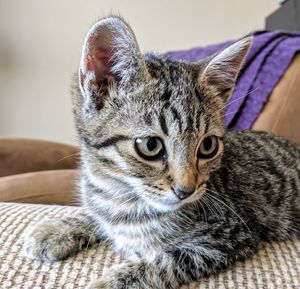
(134, 276)
(57, 239)
(169, 270)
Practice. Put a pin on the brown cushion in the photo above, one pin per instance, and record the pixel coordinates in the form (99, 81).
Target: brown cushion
(275, 266)
(24, 155)
(45, 187)
(281, 114)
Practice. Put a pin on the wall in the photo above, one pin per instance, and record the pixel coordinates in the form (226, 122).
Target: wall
(40, 45)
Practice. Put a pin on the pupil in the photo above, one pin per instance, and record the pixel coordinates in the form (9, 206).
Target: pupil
(207, 144)
(151, 144)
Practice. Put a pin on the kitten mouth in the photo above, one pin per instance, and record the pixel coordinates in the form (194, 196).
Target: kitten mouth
(175, 204)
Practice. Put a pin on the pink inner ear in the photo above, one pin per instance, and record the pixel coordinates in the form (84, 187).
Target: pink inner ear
(98, 61)
(97, 57)
(110, 54)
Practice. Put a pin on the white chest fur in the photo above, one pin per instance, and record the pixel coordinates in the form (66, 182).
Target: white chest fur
(135, 241)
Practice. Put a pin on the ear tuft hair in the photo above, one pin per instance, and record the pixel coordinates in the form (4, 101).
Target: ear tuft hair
(221, 72)
(110, 55)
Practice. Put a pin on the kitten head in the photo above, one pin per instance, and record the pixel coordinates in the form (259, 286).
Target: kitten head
(151, 128)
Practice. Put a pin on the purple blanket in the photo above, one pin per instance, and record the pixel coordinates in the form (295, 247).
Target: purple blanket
(268, 58)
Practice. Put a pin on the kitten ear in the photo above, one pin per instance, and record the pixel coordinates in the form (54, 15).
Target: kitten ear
(110, 55)
(221, 72)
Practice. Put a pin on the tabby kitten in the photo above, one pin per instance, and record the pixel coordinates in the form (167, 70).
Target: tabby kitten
(161, 180)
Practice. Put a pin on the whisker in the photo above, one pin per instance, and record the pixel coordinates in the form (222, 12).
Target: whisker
(229, 113)
(68, 156)
(200, 202)
(78, 224)
(90, 238)
(241, 97)
(210, 207)
(218, 194)
(127, 201)
(120, 196)
(217, 206)
(232, 210)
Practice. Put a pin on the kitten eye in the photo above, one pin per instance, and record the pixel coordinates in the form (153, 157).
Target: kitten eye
(208, 147)
(149, 148)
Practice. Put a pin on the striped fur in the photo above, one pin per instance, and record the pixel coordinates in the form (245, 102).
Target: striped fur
(248, 193)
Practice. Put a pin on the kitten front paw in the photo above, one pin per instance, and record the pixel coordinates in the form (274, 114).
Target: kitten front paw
(54, 240)
(99, 284)
(113, 284)
(127, 275)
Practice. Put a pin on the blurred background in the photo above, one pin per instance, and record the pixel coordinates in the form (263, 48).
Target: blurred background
(40, 46)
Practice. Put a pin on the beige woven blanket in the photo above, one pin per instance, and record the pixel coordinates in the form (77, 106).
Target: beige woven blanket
(276, 266)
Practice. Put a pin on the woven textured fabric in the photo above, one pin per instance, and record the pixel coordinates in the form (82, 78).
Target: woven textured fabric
(276, 266)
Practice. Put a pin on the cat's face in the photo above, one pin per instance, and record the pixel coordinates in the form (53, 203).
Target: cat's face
(148, 124)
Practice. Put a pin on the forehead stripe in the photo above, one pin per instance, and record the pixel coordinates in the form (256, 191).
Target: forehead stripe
(198, 118)
(166, 95)
(206, 123)
(177, 118)
(162, 122)
(108, 142)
